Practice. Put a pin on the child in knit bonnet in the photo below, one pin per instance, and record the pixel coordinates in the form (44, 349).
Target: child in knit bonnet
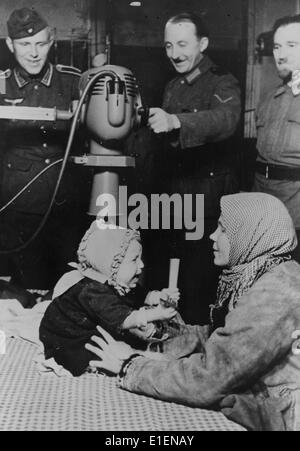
(103, 290)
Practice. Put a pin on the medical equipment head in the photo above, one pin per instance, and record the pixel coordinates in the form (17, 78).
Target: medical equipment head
(113, 106)
(112, 109)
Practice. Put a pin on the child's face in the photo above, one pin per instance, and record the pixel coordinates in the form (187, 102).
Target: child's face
(131, 266)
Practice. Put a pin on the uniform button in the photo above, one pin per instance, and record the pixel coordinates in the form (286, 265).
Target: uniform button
(211, 174)
(9, 165)
(45, 145)
(47, 161)
(42, 127)
(182, 82)
(36, 87)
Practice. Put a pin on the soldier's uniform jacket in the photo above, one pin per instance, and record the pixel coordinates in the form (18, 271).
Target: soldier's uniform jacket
(278, 128)
(207, 103)
(29, 146)
(278, 143)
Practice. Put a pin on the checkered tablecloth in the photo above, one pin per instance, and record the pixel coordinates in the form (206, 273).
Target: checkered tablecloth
(32, 401)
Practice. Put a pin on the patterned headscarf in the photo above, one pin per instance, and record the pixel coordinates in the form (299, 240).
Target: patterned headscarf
(261, 235)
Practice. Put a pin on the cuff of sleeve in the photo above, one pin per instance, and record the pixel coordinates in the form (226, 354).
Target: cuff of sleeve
(192, 133)
(124, 370)
(176, 122)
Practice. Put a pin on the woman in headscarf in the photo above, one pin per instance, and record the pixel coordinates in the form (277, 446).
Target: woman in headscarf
(248, 364)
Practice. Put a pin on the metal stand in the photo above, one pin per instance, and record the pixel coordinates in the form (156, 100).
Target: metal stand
(106, 177)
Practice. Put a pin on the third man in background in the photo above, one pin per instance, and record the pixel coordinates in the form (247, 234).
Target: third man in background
(278, 124)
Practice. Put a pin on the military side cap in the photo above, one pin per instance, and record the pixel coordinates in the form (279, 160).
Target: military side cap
(25, 22)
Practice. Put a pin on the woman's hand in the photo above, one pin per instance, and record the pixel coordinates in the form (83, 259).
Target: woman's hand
(111, 353)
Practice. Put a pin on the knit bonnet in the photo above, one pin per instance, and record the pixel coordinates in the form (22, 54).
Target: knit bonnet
(102, 250)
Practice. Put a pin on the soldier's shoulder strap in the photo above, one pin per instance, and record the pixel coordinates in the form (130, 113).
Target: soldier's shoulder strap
(4, 74)
(68, 70)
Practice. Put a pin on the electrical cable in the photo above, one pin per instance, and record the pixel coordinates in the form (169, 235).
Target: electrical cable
(93, 80)
(11, 201)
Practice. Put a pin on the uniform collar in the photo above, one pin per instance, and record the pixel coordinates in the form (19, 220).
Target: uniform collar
(23, 78)
(204, 65)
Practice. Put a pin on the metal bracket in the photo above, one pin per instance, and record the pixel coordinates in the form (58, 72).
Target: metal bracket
(108, 161)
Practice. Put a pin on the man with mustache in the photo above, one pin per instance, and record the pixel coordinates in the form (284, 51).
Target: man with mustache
(31, 146)
(201, 110)
(278, 124)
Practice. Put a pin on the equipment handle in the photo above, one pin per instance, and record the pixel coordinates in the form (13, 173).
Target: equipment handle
(173, 275)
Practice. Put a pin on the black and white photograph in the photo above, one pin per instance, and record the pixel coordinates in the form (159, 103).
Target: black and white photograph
(150, 218)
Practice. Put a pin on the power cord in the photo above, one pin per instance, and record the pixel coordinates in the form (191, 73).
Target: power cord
(98, 75)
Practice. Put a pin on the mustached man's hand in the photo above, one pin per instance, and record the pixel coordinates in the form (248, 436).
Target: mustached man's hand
(162, 122)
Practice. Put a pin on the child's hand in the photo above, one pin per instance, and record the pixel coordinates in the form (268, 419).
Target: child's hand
(170, 297)
(153, 298)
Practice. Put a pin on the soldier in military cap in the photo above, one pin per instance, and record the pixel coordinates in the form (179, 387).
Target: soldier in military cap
(30, 146)
(200, 112)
